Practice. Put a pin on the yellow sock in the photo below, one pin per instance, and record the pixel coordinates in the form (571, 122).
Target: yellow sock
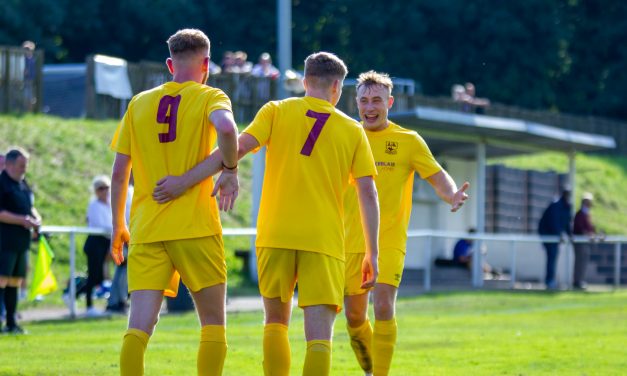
(212, 350)
(277, 356)
(132, 354)
(361, 342)
(383, 342)
(318, 358)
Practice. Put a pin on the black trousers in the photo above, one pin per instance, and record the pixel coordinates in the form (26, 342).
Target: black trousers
(96, 248)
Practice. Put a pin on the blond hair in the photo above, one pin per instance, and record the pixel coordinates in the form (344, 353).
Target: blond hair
(322, 68)
(187, 42)
(372, 78)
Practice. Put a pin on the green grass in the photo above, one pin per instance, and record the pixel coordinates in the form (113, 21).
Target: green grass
(604, 176)
(469, 333)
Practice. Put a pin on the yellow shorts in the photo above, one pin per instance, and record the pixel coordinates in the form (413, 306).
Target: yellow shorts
(320, 277)
(156, 266)
(352, 283)
(391, 264)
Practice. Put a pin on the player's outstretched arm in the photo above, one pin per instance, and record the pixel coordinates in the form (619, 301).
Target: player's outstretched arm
(369, 209)
(446, 189)
(119, 186)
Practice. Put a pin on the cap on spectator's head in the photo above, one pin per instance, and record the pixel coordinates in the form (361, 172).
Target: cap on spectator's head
(29, 45)
(101, 181)
(587, 196)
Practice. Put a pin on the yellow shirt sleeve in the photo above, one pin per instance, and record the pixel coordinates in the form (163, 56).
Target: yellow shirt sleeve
(422, 160)
(219, 101)
(261, 126)
(363, 161)
(121, 142)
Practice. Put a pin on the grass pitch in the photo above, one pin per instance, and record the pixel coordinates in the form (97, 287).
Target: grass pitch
(469, 333)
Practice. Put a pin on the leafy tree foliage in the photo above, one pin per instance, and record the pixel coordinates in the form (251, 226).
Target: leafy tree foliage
(563, 55)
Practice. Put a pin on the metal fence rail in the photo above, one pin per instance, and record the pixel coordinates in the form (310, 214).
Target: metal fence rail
(428, 235)
(512, 240)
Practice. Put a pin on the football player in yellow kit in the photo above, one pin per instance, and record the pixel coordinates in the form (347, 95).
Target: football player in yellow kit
(313, 150)
(398, 154)
(167, 130)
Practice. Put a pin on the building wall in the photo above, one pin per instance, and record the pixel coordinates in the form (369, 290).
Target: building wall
(429, 212)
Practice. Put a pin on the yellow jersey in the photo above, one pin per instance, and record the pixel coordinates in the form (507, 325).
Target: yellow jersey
(312, 151)
(398, 153)
(167, 131)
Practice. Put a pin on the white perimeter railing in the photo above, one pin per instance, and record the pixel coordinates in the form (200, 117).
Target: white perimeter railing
(428, 235)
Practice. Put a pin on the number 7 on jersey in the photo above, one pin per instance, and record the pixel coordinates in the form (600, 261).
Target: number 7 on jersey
(312, 137)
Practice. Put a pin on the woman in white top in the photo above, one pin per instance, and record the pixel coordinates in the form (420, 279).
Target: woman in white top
(97, 246)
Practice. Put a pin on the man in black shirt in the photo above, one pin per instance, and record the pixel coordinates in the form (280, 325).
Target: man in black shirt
(17, 218)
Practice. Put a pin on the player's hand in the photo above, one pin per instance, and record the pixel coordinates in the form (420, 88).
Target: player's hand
(168, 188)
(369, 271)
(459, 197)
(227, 189)
(119, 237)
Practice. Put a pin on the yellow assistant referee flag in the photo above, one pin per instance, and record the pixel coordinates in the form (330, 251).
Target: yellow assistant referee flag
(43, 280)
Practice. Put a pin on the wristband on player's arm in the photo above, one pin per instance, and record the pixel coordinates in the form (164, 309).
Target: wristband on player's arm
(227, 168)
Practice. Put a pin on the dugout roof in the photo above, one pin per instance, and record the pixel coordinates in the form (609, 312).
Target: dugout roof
(456, 134)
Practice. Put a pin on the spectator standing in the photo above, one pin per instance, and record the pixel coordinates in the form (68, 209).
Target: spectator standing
(466, 95)
(214, 68)
(97, 247)
(18, 217)
(30, 74)
(240, 63)
(227, 62)
(555, 221)
(583, 226)
(264, 67)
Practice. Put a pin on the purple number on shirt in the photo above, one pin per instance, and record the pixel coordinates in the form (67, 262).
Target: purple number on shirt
(168, 103)
(312, 137)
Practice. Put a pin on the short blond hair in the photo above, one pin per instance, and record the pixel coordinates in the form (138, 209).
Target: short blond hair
(372, 78)
(186, 42)
(323, 68)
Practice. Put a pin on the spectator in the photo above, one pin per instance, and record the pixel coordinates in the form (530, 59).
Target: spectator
(468, 100)
(240, 63)
(583, 226)
(214, 68)
(18, 217)
(462, 255)
(555, 221)
(30, 74)
(458, 93)
(265, 68)
(462, 252)
(97, 247)
(119, 286)
(227, 62)
(2, 159)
